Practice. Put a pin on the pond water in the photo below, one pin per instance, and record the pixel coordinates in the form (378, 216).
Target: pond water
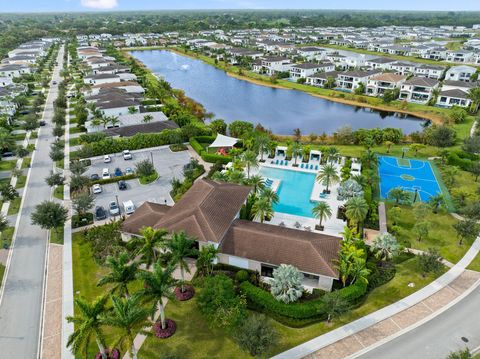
(279, 110)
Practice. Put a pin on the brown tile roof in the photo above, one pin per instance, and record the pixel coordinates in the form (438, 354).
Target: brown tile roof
(128, 131)
(308, 251)
(388, 77)
(145, 216)
(206, 211)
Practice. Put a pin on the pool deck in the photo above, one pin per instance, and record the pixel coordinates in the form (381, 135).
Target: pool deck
(332, 226)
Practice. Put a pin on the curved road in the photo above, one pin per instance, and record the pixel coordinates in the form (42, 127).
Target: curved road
(22, 298)
(438, 337)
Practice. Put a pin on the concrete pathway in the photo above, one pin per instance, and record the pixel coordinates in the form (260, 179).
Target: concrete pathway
(378, 322)
(21, 297)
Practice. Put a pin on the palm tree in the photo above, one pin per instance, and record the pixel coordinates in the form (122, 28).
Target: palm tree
(120, 275)
(332, 154)
(436, 202)
(261, 143)
(397, 194)
(181, 248)
(322, 211)
(159, 284)
(148, 244)
(257, 182)
(356, 210)
(6, 139)
(147, 118)
(262, 209)
(296, 150)
(113, 120)
(236, 177)
(369, 158)
(389, 145)
(359, 270)
(327, 176)
(88, 325)
(270, 195)
(130, 318)
(474, 95)
(249, 158)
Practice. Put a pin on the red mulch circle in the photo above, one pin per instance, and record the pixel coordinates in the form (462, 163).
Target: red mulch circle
(186, 295)
(111, 354)
(169, 330)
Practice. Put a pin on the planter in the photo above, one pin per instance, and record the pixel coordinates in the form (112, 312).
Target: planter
(111, 354)
(325, 191)
(186, 295)
(319, 228)
(295, 165)
(169, 330)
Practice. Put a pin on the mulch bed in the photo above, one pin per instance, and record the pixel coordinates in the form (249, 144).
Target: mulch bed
(111, 354)
(169, 330)
(188, 293)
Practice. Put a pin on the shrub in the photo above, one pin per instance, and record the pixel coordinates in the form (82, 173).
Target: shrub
(92, 137)
(242, 276)
(256, 335)
(287, 283)
(169, 330)
(80, 221)
(214, 158)
(144, 168)
(430, 261)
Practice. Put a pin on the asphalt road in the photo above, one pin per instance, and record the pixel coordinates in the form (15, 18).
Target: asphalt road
(438, 337)
(21, 305)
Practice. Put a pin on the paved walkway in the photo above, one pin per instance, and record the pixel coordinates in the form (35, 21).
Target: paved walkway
(52, 326)
(378, 324)
(21, 301)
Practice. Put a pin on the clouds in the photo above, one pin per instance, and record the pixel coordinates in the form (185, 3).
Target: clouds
(100, 4)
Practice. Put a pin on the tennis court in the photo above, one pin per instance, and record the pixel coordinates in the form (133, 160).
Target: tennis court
(410, 175)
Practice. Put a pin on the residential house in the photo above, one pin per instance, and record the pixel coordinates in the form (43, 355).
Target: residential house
(320, 79)
(403, 68)
(460, 73)
(14, 70)
(418, 89)
(430, 71)
(306, 69)
(378, 84)
(311, 53)
(96, 79)
(455, 93)
(463, 56)
(209, 213)
(351, 80)
(272, 65)
(382, 63)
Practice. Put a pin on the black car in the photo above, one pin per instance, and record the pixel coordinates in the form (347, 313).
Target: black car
(100, 213)
(122, 185)
(94, 177)
(42, 123)
(8, 154)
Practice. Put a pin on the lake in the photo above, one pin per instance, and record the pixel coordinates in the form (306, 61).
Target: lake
(279, 110)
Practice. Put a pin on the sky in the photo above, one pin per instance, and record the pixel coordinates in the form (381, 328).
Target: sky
(125, 5)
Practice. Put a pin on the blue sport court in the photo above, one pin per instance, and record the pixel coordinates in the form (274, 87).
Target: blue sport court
(410, 175)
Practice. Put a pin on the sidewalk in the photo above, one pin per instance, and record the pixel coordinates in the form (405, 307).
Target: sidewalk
(363, 332)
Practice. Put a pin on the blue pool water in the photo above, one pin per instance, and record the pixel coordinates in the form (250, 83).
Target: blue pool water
(417, 175)
(294, 191)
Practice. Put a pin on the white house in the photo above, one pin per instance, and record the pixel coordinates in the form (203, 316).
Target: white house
(463, 56)
(14, 70)
(430, 71)
(455, 97)
(96, 79)
(320, 78)
(382, 63)
(418, 89)
(351, 80)
(272, 65)
(308, 69)
(378, 84)
(460, 73)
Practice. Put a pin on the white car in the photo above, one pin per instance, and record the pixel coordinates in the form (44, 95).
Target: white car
(96, 189)
(129, 207)
(107, 159)
(127, 155)
(105, 173)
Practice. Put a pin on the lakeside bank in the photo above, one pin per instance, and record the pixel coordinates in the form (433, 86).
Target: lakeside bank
(422, 112)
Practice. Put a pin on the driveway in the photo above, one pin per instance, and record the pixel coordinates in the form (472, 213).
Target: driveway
(21, 302)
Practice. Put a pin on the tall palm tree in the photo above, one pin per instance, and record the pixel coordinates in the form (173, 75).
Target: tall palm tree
(328, 176)
(322, 211)
(159, 285)
(236, 177)
(6, 139)
(262, 209)
(369, 158)
(359, 270)
(257, 182)
(181, 247)
(262, 142)
(249, 159)
(130, 318)
(474, 95)
(398, 194)
(148, 244)
(270, 195)
(120, 275)
(332, 154)
(436, 202)
(296, 150)
(356, 210)
(88, 326)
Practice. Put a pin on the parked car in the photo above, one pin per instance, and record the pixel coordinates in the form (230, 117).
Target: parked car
(105, 173)
(54, 82)
(42, 123)
(113, 208)
(129, 171)
(107, 159)
(94, 177)
(8, 154)
(129, 207)
(127, 155)
(118, 172)
(96, 189)
(122, 185)
(100, 213)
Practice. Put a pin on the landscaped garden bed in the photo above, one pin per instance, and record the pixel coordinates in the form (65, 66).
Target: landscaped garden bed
(168, 331)
(187, 293)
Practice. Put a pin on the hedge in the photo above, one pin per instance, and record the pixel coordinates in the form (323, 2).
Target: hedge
(207, 157)
(461, 159)
(314, 309)
(214, 158)
(196, 146)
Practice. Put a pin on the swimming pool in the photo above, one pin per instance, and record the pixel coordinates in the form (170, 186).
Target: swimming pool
(294, 191)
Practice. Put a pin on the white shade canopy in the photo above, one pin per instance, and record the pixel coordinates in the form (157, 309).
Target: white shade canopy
(223, 141)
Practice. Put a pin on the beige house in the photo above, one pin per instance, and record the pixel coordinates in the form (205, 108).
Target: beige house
(209, 212)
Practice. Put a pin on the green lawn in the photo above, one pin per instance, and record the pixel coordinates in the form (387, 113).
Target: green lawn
(148, 179)
(26, 162)
(14, 206)
(74, 141)
(58, 192)
(21, 181)
(442, 235)
(19, 136)
(7, 235)
(7, 165)
(60, 164)
(75, 129)
(56, 236)
(2, 271)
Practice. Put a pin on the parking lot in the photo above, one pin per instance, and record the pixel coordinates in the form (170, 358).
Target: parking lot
(168, 164)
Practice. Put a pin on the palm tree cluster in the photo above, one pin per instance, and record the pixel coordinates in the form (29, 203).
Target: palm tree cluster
(352, 262)
(130, 313)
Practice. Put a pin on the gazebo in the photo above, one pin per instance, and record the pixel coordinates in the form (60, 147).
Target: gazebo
(222, 142)
(281, 151)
